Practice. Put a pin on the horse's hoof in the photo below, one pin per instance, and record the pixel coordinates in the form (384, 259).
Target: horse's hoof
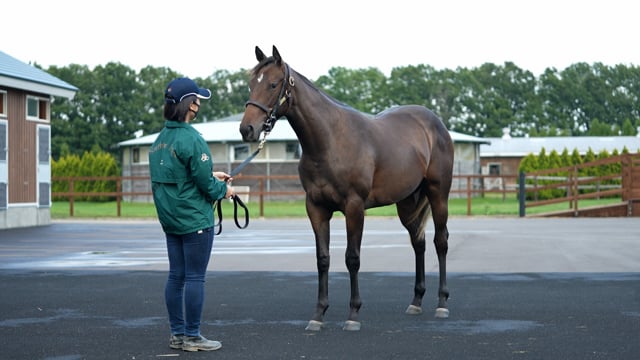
(314, 325)
(413, 310)
(442, 313)
(351, 325)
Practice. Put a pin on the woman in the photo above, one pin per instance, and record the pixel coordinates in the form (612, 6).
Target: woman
(184, 190)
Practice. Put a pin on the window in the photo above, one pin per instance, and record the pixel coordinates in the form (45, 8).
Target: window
(3, 103)
(37, 108)
(136, 155)
(293, 151)
(240, 152)
(494, 168)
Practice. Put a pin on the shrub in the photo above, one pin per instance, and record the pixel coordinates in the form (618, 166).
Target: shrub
(94, 163)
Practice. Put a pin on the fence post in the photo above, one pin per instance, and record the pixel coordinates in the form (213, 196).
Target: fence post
(261, 197)
(71, 197)
(468, 195)
(521, 193)
(119, 196)
(575, 190)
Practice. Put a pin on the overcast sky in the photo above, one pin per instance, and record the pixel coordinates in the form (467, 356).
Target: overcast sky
(197, 38)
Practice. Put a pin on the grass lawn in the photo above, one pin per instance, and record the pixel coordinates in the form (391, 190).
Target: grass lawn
(490, 205)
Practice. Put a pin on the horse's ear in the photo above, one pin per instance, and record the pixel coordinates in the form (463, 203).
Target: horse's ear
(276, 55)
(259, 54)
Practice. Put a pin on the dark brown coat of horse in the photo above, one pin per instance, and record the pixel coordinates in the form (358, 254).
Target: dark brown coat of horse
(351, 162)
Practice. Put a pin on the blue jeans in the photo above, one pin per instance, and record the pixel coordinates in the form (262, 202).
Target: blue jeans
(184, 292)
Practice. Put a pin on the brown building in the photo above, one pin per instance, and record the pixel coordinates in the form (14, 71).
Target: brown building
(26, 93)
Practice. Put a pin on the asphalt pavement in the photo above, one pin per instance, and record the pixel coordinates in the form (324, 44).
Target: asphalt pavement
(520, 289)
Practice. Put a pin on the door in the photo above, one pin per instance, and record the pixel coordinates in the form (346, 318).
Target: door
(44, 166)
(4, 168)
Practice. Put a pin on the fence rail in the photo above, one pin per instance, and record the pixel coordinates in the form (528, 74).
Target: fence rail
(469, 186)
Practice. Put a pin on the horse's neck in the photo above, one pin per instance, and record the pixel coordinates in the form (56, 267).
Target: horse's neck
(312, 117)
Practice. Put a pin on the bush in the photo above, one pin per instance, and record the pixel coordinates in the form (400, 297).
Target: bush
(95, 163)
(544, 161)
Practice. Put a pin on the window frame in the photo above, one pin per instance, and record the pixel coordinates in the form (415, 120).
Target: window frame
(3, 104)
(42, 105)
(494, 165)
(295, 154)
(245, 149)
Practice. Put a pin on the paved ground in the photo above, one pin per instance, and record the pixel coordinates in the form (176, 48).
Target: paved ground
(521, 289)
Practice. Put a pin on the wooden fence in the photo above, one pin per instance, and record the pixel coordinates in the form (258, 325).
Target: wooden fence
(623, 183)
(469, 186)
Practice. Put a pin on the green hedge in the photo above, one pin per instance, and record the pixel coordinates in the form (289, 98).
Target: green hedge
(544, 161)
(95, 163)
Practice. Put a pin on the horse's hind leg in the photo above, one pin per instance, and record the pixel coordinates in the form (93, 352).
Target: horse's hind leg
(439, 196)
(413, 212)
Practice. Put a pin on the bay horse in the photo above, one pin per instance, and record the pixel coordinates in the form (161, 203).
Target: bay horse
(351, 162)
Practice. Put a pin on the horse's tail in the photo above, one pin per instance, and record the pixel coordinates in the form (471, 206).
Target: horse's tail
(422, 209)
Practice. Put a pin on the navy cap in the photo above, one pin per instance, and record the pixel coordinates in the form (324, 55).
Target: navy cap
(180, 88)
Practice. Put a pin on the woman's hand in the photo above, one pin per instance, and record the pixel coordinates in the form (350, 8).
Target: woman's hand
(223, 176)
(230, 192)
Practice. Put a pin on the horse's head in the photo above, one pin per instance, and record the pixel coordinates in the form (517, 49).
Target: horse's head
(269, 91)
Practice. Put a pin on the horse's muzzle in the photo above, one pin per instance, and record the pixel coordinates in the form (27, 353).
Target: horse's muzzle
(249, 134)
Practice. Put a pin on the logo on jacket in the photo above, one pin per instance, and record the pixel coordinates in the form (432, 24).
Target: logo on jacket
(204, 157)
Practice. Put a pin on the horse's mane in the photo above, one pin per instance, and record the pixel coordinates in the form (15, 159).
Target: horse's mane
(271, 60)
(323, 93)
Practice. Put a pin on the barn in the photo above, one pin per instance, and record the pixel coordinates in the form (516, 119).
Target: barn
(26, 94)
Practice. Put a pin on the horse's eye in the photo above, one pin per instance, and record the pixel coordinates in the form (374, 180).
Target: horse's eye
(273, 85)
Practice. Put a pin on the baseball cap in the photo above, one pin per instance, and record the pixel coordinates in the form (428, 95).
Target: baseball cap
(180, 88)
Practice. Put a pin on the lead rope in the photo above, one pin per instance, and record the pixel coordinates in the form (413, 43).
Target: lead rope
(235, 198)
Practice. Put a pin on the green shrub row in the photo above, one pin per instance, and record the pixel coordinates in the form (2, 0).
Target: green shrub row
(95, 163)
(553, 160)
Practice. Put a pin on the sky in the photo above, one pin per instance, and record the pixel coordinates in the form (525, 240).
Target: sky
(197, 38)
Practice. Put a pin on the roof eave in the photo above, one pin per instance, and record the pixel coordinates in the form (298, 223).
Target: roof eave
(22, 84)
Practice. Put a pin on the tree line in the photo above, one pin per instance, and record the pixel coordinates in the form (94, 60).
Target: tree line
(116, 103)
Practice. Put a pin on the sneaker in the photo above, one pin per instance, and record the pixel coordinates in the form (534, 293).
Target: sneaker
(195, 343)
(175, 341)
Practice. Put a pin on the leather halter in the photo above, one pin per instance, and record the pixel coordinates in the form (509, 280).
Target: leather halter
(284, 96)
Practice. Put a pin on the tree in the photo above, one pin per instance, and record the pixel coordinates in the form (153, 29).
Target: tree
(495, 97)
(150, 100)
(360, 89)
(69, 127)
(627, 128)
(598, 128)
(230, 91)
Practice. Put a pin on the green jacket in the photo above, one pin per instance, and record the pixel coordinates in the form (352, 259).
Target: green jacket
(183, 185)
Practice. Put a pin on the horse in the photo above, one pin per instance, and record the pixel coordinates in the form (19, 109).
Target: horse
(351, 162)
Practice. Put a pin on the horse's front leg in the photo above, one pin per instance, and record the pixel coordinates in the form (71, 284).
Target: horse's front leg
(354, 217)
(320, 218)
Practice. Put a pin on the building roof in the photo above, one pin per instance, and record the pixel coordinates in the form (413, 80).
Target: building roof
(227, 130)
(523, 146)
(17, 74)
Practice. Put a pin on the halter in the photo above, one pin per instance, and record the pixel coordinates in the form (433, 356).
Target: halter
(283, 97)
